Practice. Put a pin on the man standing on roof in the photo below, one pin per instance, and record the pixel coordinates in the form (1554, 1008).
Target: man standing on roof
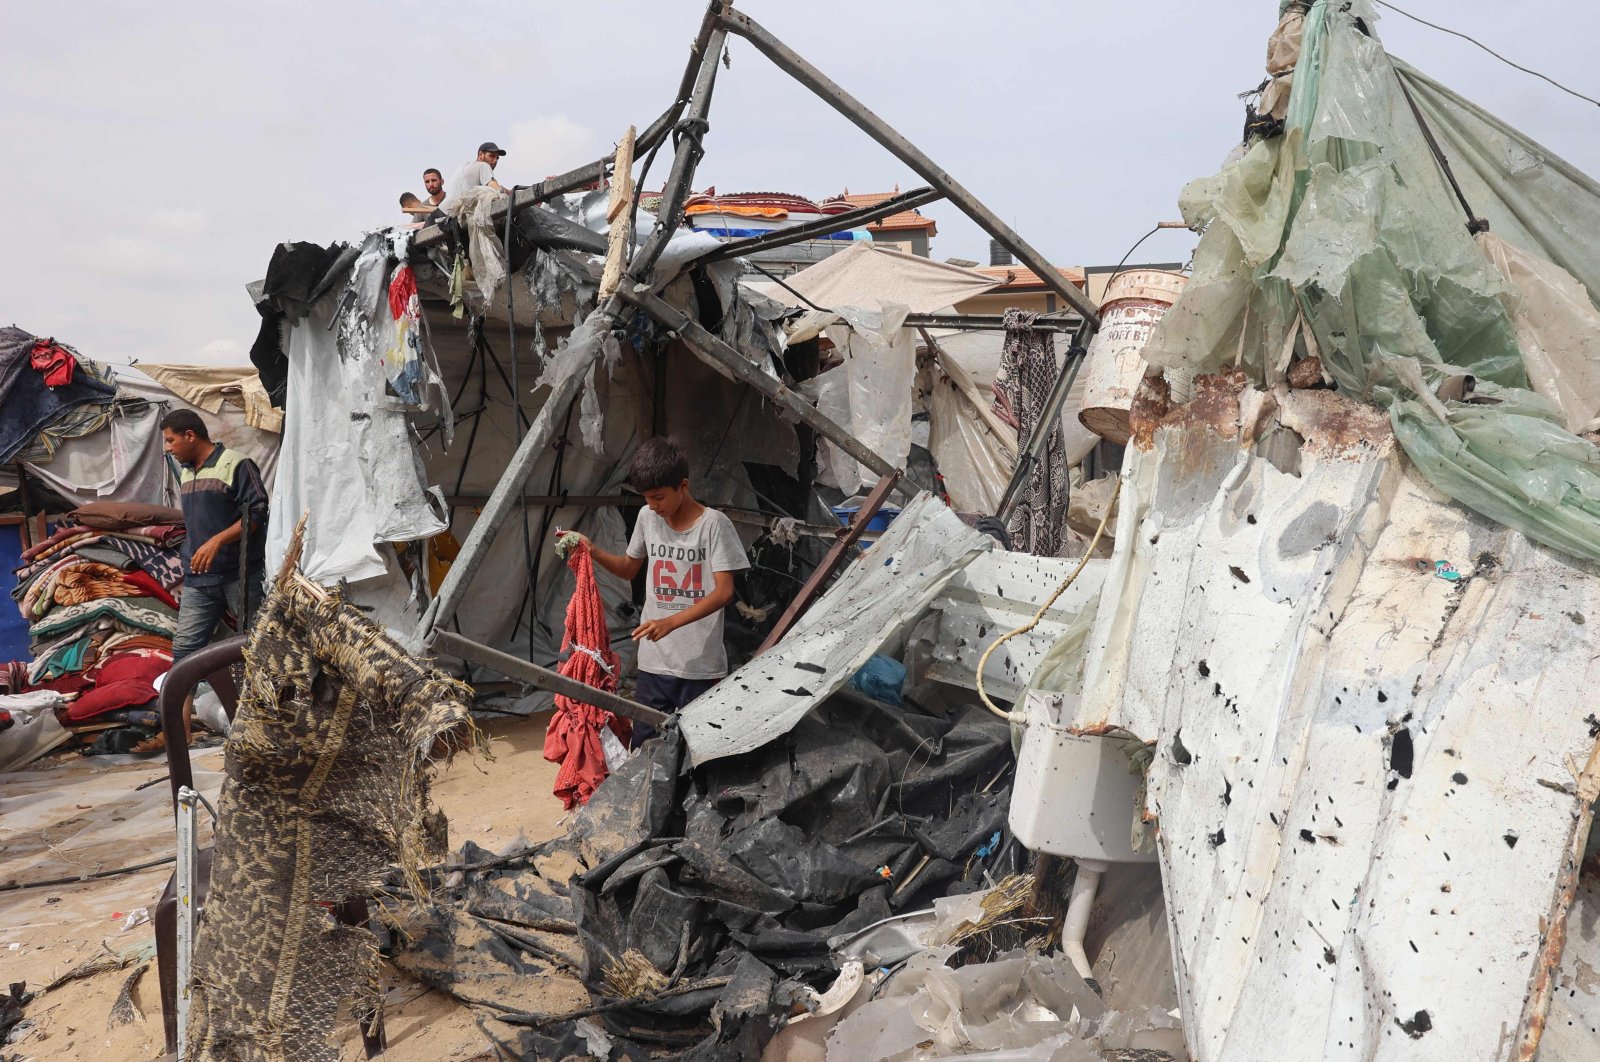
(478, 172)
(223, 502)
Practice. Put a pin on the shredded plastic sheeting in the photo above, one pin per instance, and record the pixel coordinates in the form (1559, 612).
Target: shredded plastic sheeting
(1529, 195)
(697, 905)
(1020, 1008)
(347, 457)
(975, 450)
(1341, 239)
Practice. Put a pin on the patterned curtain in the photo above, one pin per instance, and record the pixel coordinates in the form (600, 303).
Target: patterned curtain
(1038, 522)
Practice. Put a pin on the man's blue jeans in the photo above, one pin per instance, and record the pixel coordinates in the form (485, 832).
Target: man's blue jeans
(200, 613)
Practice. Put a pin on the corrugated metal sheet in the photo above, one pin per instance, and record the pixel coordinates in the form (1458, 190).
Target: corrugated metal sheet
(873, 602)
(928, 566)
(1360, 761)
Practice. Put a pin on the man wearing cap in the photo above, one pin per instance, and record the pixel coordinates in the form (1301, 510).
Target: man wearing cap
(478, 172)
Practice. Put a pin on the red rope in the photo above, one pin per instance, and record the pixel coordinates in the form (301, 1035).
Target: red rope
(573, 737)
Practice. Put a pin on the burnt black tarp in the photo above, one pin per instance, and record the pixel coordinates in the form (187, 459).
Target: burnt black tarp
(695, 905)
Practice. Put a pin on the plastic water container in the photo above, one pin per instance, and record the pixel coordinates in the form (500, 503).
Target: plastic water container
(1073, 795)
(878, 524)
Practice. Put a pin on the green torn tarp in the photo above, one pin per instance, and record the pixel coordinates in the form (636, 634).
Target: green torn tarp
(1342, 239)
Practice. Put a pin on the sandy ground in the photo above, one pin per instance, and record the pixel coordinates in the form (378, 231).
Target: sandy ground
(67, 815)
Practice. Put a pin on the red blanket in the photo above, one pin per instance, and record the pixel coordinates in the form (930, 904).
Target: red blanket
(573, 737)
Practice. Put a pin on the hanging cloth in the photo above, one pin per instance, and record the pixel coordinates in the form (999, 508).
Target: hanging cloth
(1038, 522)
(53, 361)
(574, 737)
(402, 358)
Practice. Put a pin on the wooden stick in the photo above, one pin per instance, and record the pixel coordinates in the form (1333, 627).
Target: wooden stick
(619, 217)
(1536, 1011)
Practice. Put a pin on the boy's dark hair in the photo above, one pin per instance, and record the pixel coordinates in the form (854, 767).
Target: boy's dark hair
(657, 463)
(182, 420)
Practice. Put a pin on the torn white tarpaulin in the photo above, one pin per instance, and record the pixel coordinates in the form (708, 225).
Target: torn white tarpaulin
(975, 450)
(347, 458)
(872, 276)
(876, 600)
(123, 463)
(1366, 702)
(871, 394)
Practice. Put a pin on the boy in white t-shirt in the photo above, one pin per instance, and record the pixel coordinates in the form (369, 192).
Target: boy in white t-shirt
(689, 554)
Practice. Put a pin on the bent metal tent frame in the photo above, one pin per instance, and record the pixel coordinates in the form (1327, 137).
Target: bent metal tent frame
(655, 295)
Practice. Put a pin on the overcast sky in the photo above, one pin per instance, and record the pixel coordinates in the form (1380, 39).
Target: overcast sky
(157, 152)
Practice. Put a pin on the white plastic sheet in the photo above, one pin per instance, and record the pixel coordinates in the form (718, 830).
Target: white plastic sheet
(877, 598)
(1557, 327)
(975, 450)
(872, 276)
(880, 368)
(347, 458)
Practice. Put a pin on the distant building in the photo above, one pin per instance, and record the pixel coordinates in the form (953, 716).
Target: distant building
(1020, 288)
(909, 230)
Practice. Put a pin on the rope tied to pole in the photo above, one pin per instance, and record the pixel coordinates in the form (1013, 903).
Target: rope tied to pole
(574, 738)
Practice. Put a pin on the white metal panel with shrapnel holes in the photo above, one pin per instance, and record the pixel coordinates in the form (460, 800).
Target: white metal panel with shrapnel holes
(995, 594)
(875, 600)
(1360, 755)
(929, 563)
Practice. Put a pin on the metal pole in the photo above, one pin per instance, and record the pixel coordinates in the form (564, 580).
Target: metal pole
(686, 158)
(836, 97)
(1048, 422)
(447, 642)
(188, 802)
(725, 359)
(986, 322)
(507, 493)
(827, 226)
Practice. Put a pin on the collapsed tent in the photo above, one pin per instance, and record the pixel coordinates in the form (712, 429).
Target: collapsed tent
(727, 876)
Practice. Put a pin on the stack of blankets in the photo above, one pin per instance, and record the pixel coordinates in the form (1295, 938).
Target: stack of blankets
(100, 598)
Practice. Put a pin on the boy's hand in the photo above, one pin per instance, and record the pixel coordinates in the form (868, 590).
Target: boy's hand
(655, 630)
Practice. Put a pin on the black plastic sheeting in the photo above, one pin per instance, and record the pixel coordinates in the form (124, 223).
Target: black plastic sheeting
(736, 873)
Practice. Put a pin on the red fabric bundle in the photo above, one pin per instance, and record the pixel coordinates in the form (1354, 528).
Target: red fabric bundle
(573, 737)
(125, 680)
(53, 361)
(401, 289)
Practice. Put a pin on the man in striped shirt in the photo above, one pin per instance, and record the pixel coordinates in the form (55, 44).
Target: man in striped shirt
(224, 502)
